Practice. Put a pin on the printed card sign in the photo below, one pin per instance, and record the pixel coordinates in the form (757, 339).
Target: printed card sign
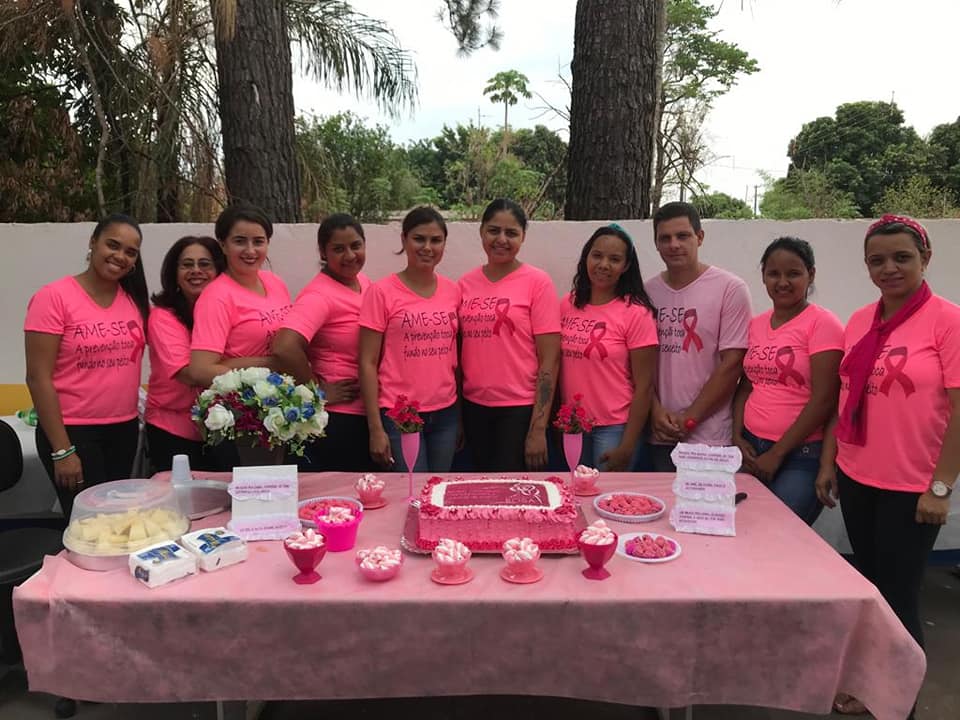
(705, 489)
(264, 502)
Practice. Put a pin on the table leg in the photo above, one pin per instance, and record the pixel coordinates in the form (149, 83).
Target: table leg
(237, 710)
(664, 713)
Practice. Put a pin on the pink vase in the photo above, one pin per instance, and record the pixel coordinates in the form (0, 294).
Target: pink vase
(410, 446)
(572, 447)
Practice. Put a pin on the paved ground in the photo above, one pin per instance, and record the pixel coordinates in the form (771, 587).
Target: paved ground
(939, 698)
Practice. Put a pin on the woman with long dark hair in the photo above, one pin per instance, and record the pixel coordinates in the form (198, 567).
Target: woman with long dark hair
(319, 339)
(84, 347)
(188, 267)
(609, 349)
(510, 346)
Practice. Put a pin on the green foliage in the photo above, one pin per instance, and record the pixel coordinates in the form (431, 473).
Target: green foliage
(722, 206)
(806, 194)
(944, 167)
(507, 87)
(863, 150)
(464, 18)
(918, 197)
(350, 167)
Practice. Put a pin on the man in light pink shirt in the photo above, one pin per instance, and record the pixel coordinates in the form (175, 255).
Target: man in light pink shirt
(703, 319)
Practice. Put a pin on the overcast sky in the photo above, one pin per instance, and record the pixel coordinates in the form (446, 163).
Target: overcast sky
(813, 56)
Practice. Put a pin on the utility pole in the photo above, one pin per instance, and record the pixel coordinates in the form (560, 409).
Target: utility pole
(755, 200)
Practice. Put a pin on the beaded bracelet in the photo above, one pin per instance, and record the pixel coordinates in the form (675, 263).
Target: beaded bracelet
(61, 454)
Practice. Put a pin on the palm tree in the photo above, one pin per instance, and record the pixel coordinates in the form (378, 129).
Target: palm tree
(505, 87)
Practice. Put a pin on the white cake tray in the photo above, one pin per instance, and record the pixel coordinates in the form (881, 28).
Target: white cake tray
(411, 530)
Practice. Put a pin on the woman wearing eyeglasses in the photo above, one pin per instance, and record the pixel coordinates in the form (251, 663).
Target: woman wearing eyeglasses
(189, 266)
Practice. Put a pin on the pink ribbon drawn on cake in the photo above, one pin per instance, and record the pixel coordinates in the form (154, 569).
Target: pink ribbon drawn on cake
(137, 334)
(500, 310)
(525, 490)
(596, 338)
(690, 320)
(895, 372)
(785, 359)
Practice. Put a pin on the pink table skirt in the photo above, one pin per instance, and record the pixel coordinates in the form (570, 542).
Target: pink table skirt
(773, 617)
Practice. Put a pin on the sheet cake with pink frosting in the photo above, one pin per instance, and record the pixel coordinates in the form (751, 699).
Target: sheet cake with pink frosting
(485, 513)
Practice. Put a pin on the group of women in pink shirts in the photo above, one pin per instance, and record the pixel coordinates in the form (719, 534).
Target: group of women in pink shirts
(866, 412)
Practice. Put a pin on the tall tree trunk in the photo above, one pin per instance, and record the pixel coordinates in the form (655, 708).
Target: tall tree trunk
(614, 108)
(256, 108)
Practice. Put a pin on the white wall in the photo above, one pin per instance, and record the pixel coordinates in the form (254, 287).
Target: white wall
(36, 254)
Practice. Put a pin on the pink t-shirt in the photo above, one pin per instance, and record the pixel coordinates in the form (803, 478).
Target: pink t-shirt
(498, 322)
(695, 324)
(907, 406)
(236, 322)
(419, 351)
(325, 314)
(778, 366)
(169, 400)
(97, 372)
(595, 355)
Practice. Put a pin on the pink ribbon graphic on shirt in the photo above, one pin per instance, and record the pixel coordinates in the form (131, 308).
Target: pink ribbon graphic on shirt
(785, 360)
(894, 372)
(596, 337)
(500, 310)
(137, 334)
(690, 327)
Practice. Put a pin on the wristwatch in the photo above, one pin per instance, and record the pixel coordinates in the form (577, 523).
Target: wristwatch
(940, 489)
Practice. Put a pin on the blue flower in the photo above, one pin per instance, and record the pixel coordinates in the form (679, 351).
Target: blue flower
(195, 412)
(308, 412)
(321, 395)
(248, 394)
(270, 401)
(292, 414)
(275, 379)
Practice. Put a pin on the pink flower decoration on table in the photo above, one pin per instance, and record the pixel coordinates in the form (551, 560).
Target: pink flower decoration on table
(405, 414)
(572, 417)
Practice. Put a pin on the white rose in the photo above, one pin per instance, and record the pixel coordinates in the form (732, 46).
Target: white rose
(228, 382)
(288, 432)
(305, 394)
(207, 395)
(264, 390)
(218, 418)
(319, 421)
(274, 421)
(253, 375)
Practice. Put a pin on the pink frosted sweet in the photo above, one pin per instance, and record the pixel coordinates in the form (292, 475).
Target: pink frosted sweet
(520, 552)
(585, 478)
(336, 516)
(598, 534)
(304, 540)
(369, 488)
(451, 557)
(379, 563)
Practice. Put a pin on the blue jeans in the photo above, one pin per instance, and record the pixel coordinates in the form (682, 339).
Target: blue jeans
(438, 441)
(794, 481)
(604, 438)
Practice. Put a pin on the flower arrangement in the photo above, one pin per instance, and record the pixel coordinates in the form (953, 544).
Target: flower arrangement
(262, 407)
(406, 415)
(572, 417)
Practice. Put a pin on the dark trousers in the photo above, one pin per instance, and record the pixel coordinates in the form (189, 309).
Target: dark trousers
(163, 445)
(659, 458)
(497, 436)
(106, 453)
(344, 448)
(890, 547)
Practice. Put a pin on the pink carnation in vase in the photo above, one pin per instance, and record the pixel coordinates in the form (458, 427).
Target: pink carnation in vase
(572, 417)
(405, 415)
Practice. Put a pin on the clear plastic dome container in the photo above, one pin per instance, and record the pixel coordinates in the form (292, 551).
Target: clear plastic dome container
(111, 520)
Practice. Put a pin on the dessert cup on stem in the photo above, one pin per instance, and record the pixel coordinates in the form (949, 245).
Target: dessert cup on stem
(410, 447)
(572, 448)
(306, 561)
(597, 556)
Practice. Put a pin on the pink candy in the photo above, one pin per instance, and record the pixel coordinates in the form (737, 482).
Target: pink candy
(379, 558)
(520, 550)
(597, 534)
(304, 540)
(450, 552)
(582, 471)
(337, 516)
(370, 483)
(626, 504)
(649, 547)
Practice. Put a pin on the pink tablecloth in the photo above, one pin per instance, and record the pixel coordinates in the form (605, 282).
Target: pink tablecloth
(772, 617)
